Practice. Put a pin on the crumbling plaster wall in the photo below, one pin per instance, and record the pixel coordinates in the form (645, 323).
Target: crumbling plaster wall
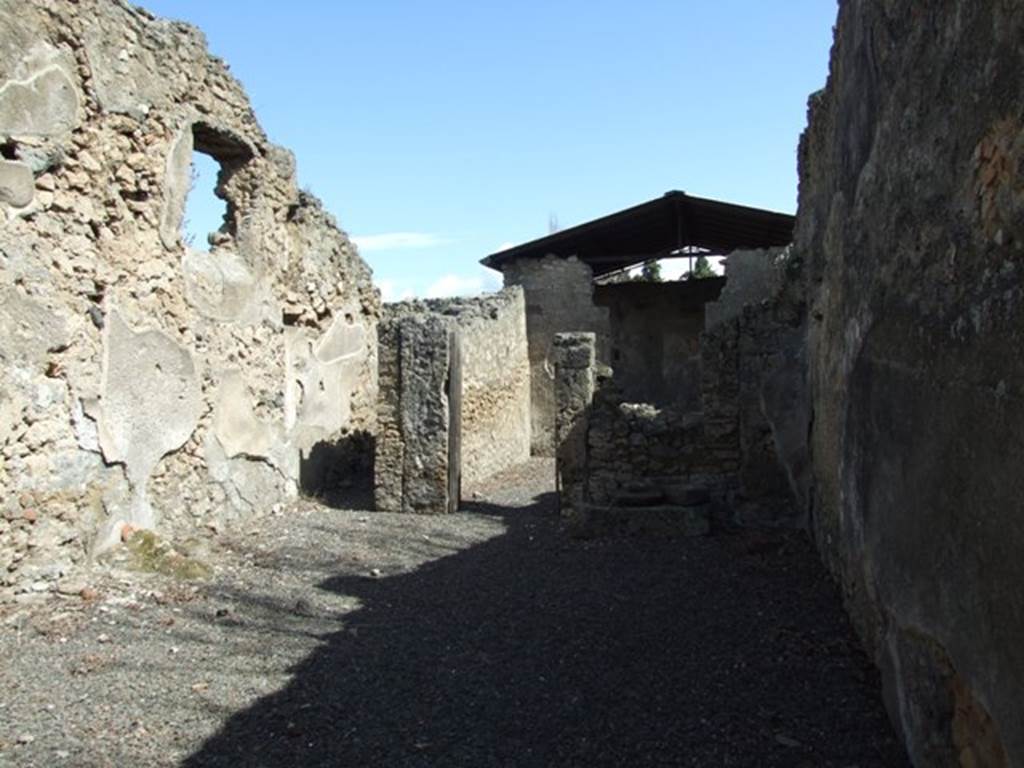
(559, 299)
(911, 219)
(495, 398)
(143, 380)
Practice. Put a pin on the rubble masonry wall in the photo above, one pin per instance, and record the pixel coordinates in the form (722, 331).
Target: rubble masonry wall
(142, 380)
(413, 448)
(495, 400)
(755, 369)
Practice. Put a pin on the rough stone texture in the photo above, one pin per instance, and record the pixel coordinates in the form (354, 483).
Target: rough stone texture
(759, 346)
(495, 383)
(751, 277)
(17, 185)
(559, 299)
(44, 104)
(655, 338)
(411, 468)
(495, 414)
(142, 380)
(574, 391)
(912, 223)
(631, 443)
(148, 379)
(741, 434)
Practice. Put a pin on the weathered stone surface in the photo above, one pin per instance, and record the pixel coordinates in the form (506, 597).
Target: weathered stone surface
(559, 299)
(636, 443)
(911, 222)
(574, 392)
(751, 278)
(266, 343)
(389, 451)
(222, 287)
(756, 339)
(123, 59)
(574, 350)
(426, 352)
(495, 397)
(30, 329)
(177, 180)
(654, 344)
(45, 104)
(413, 453)
(17, 185)
(236, 425)
(148, 379)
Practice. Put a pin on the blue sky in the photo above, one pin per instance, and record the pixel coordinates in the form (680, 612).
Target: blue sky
(438, 132)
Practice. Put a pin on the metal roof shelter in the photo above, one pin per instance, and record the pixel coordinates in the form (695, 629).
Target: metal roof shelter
(673, 225)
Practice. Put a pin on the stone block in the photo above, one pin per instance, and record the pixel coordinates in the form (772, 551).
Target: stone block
(17, 184)
(45, 104)
(574, 350)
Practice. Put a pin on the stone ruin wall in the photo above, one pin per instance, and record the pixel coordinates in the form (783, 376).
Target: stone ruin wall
(654, 338)
(575, 379)
(754, 368)
(143, 380)
(559, 299)
(752, 277)
(413, 448)
(495, 408)
(911, 223)
(745, 437)
(495, 386)
(607, 444)
(629, 443)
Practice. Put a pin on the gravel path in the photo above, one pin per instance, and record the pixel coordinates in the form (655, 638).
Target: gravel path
(491, 637)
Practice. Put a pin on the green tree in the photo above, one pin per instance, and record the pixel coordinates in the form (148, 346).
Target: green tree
(651, 272)
(701, 270)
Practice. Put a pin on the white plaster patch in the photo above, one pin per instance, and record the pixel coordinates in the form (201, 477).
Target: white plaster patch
(45, 104)
(150, 404)
(236, 425)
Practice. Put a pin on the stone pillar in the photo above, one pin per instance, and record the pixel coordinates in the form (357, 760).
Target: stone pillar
(574, 359)
(412, 465)
(389, 455)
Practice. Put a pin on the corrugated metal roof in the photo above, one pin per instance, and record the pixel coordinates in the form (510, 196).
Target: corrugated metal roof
(654, 230)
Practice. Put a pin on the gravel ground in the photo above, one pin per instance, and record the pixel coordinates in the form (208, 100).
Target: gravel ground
(491, 637)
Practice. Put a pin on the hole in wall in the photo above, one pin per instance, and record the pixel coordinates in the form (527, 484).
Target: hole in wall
(210, 213)
(205, 212)
(339, 473)
(9, 150)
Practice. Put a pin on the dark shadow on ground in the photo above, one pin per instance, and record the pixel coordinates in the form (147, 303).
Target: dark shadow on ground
(537, 649)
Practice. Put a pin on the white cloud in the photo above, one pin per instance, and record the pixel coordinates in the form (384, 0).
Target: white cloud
(464, 285)
(673, 269)
(391, 291)
(393, 241)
